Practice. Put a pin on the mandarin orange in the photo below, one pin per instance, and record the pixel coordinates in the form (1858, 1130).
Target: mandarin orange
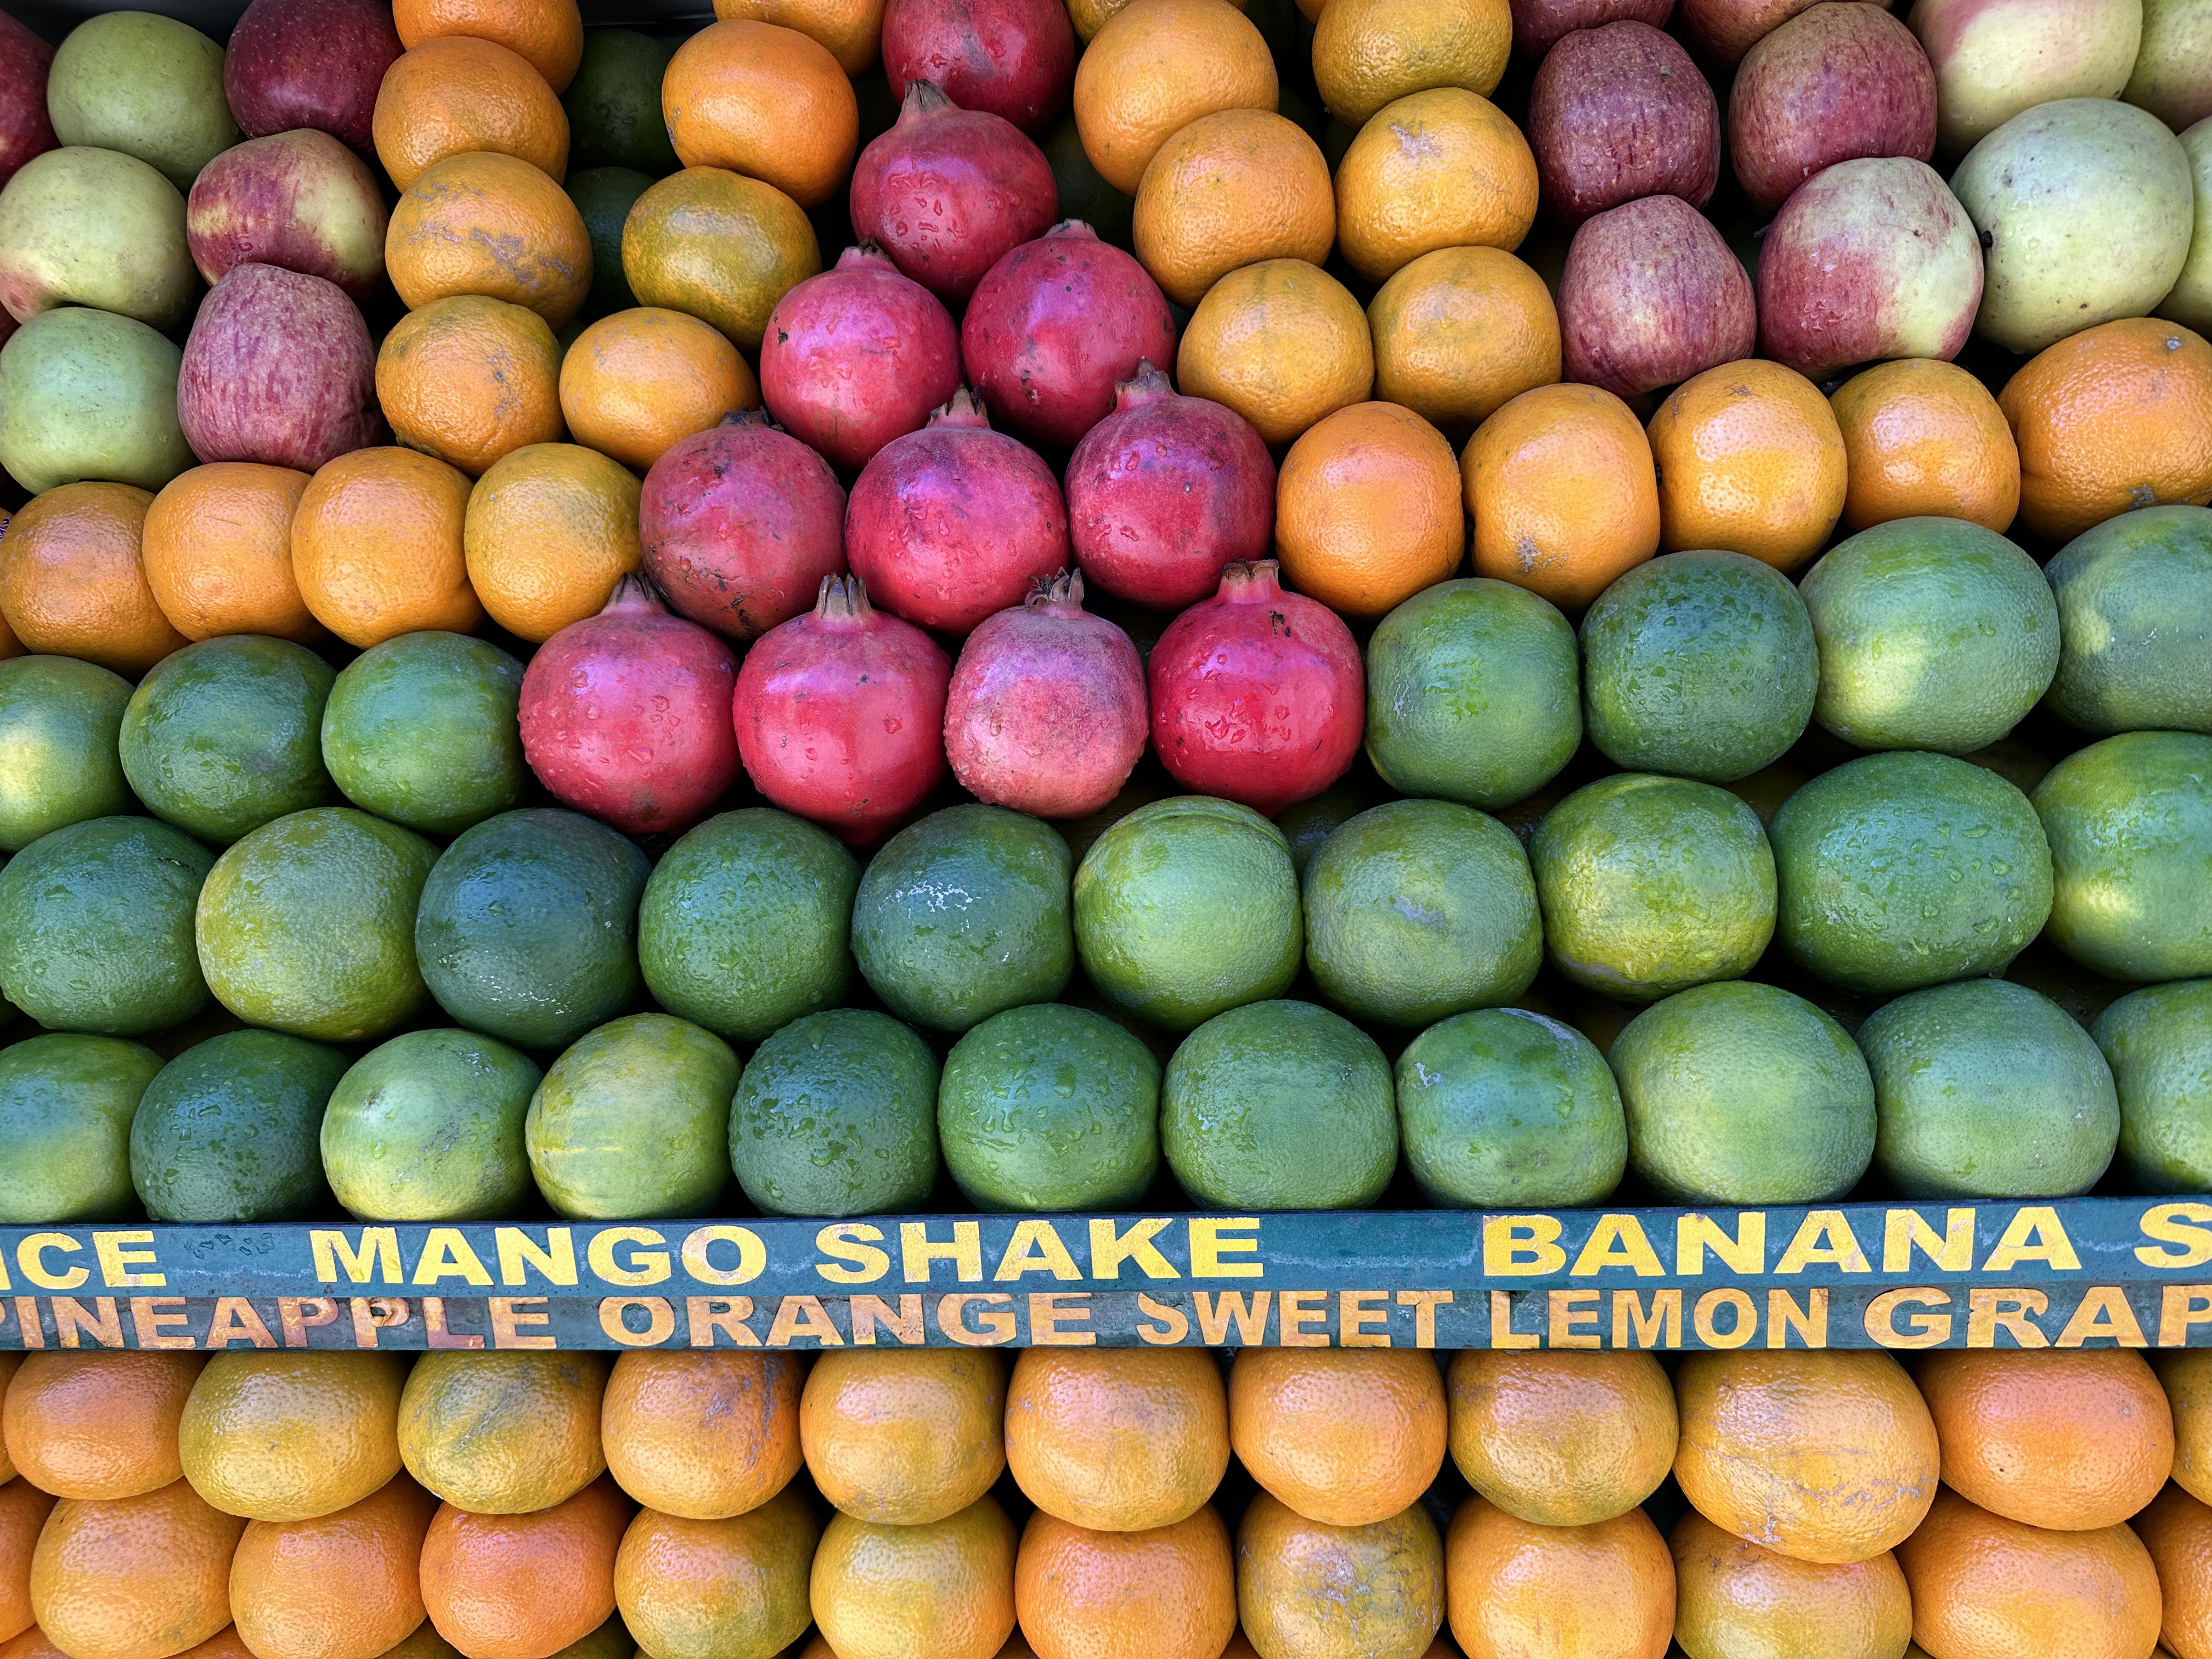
(1732, 1597)
(73, 579)
(1156, 67)
(131, 1578)
(1459, 333)
(766, 102)
(704, 1435)
(1516, 1588)
(737, 1586)
(455, 94)
(718, 246)
(906, 1437)
(377, 547)
(1309, 1590)
(1281, 343)
(1165, 1593)
(95, 1424)
(217, 548)
(2186, 1374)
(1438, 169)
(946, 1589)
(547, 33)
(1924, 439)
(1750, 460)
(489, 224)
(469, 380)
(1367, 509)
(508, 1433)
(1560, 483)
(23, 1511)
(1369, 53)
(343, 1586)
(635, 384)
(550, 529)
(524, 1586)
(1231, 189)
(852, 29)
(1561, 1439)
(1117, 1439)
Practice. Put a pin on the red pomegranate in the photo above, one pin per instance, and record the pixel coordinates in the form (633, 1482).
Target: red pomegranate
(740, 523)
(947, 191)
(1054, 326)
(626, 714)
(1047, 709)
(1014, 58)
(1257, 695)
(1165, 491)
(840, 713)
(857, 357)
(953, 522)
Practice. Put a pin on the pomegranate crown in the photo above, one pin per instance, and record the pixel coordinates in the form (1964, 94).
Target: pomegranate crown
(842, 600)
(866, 251)
(750, 417)
(634, 591)
(923, 98)
(1251, 580)
(1059, 595)
(1076, 228)
(963, 408)
(1147, 385)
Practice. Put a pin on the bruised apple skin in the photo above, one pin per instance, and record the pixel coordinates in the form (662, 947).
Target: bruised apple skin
(1618, 113)
(1841, 81)
(1651, 295)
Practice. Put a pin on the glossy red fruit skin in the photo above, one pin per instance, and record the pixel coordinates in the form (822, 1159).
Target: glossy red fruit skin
(626, 715)
(947, 193)
(1055, 325)
(1166, 492)
(740, 524)
(1046, 714)
(293, 63)
(952, 523)
(25, 129)
(840, 714)
(856, 356)
(1258, 695)
(1015, 59)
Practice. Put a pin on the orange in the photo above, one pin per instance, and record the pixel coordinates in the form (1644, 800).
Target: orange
(217, 548)
(1367, 509)
(1166, 1593)
(550, 529)
(376, 546)
(291, 1437)
(72, 581)
(1369, 53)
(455, 95)
(1347, 1436)
(1750, 461)
(1604, 1589)
(639, 382)
(32, 1644)
(1559, 482)
(946, 1589)
(1232, 188)
(547, 33)
(96, 1424)
(766, 102)
(706, 1435)
(2071, 1441)
(524, 1586)
(1435, 170)
(23, 1511)
(342, 1587)
(1733, 1597)
(1281, 343)
(1924, 439)
(1309, 1590)
(904, 1437)
(1561, 1439)
(1459, 332)
(735, 1586)
(9, 1363)
(1156, 67)
(1826, 1456)
(2186, 1376)
(1986, 1588)
(2176, 1530)
(489, 224)
(132, 1578)
(1117, 1439)
(2117, 416)
(852, 29)
(469, 380)
(718, 246)
(503, 1433)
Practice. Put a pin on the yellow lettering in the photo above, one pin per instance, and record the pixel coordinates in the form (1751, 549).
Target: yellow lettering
(1501, 1333)
(1633, 1328)
(235, 1320)
(1049, 1310)
(1746, 1316)
(1928, 1330)
(918, 1257)
(1570, 1309)
(803, 1315)
(519, 1254)
(1744, 1253)
(2104, 1312)
(752, 1254)
(993, 1326)
(508, 1317)
(434, 1331)
(298, 1315)
(2035, 1234)
(2170, 1223)
(31, 1257)
(1823, 1235)
(379, 1254)
(148, 1314)
(1904, 1231)
(1162, 1325)
(614, 1318)
(2011, 1311)
(119, 1264)
(72, 1319)
(1353, 1317)
(638, 1267)
(1294, 1312)
(853, 1243)
(1783, 1315)
(706, 1317)
(866, 1312)
(1213, 1238)
(2181, 1307)
(1521, 1246)
(1214, 1319)
(1111, 1249)
(373, 1314)
(1035, 1248)
(1425, 1304)
(445, 1254)
(1618, 1241)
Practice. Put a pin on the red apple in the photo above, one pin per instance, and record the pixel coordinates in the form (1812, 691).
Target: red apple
(1722, 31)
(1538, 23)
(1869, 259)
(1651, 295)
(1619, 112)
(1841, 80)
(279, 369)
(25, 130)
(300, 199)
(309, 63)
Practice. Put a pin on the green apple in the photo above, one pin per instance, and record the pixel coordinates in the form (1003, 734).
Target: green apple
(81, 227)
(146, 85)
(87, 394)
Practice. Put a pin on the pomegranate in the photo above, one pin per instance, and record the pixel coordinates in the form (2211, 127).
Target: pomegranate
(857, 357)
(1047, 709)
(953, 522)
(1054, 325)
(839, 713)
(1165, 491)
(626, 714)
(947, 191)
(1257, 694)
(1013, 58)
(740, 523)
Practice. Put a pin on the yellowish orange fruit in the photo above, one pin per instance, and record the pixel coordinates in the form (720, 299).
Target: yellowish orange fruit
(98, 1424)
(469, 380)
(719, 247)
(548, 34)
(1165, 1593)
(735, 1586)
(1751, 460)
(1156, 67)
(504, 1433)
(766, 102)
(73, 579)
(1282, 343)
(550, 529)
(904, 1437)
(455, 94)
(1314, 1591)
(1924, 439)
(636, 383)
(217, 549)
(702, 1435)
(946, 1589)
(1367, 510)
(1437, 169)
(1561, 1438)
(1733, 1597)
(491, 225)
(377, 547)
(1231, 189)
(343, 1586)
(1117, 1439)
(1607, 1587)
(1368, 52)
(129, 1577)
(852, 29)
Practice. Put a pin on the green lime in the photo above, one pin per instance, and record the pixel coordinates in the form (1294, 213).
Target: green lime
(527, 930)
(2135, 623)
(2131, 826)
(307, 925)
(1934, 633)
(1472, 694)
(1050, 1108)
(1907, 869)
(226, 1132)
(1084, 194)
(220, 737)
(423, 730)
(963, 914)
(58, 764)
(1700, 665)
(837, 1116)
(1280, 1105)
(1419, 908)
(1307, 824)
(1507, 1109)
(96, 927)
(1986, 1090)
(1740, 1093)
(604, 198)
(634, 1120)
(614, 105)
(66, 1109)
(2159, 1044)
(1187, 906)
(429, 1127)
(1650, 886)
(746, 921)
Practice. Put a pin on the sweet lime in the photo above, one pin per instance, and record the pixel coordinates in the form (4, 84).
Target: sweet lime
(228, 1130)
(429, 1127)
(2135, 623)
(422, 730)
(59, 719)
(603, 197)
(837, 1116)
(2159, 1044)
(66, 1109)
(2131, 826)
(634, 1120)
(613, 105)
